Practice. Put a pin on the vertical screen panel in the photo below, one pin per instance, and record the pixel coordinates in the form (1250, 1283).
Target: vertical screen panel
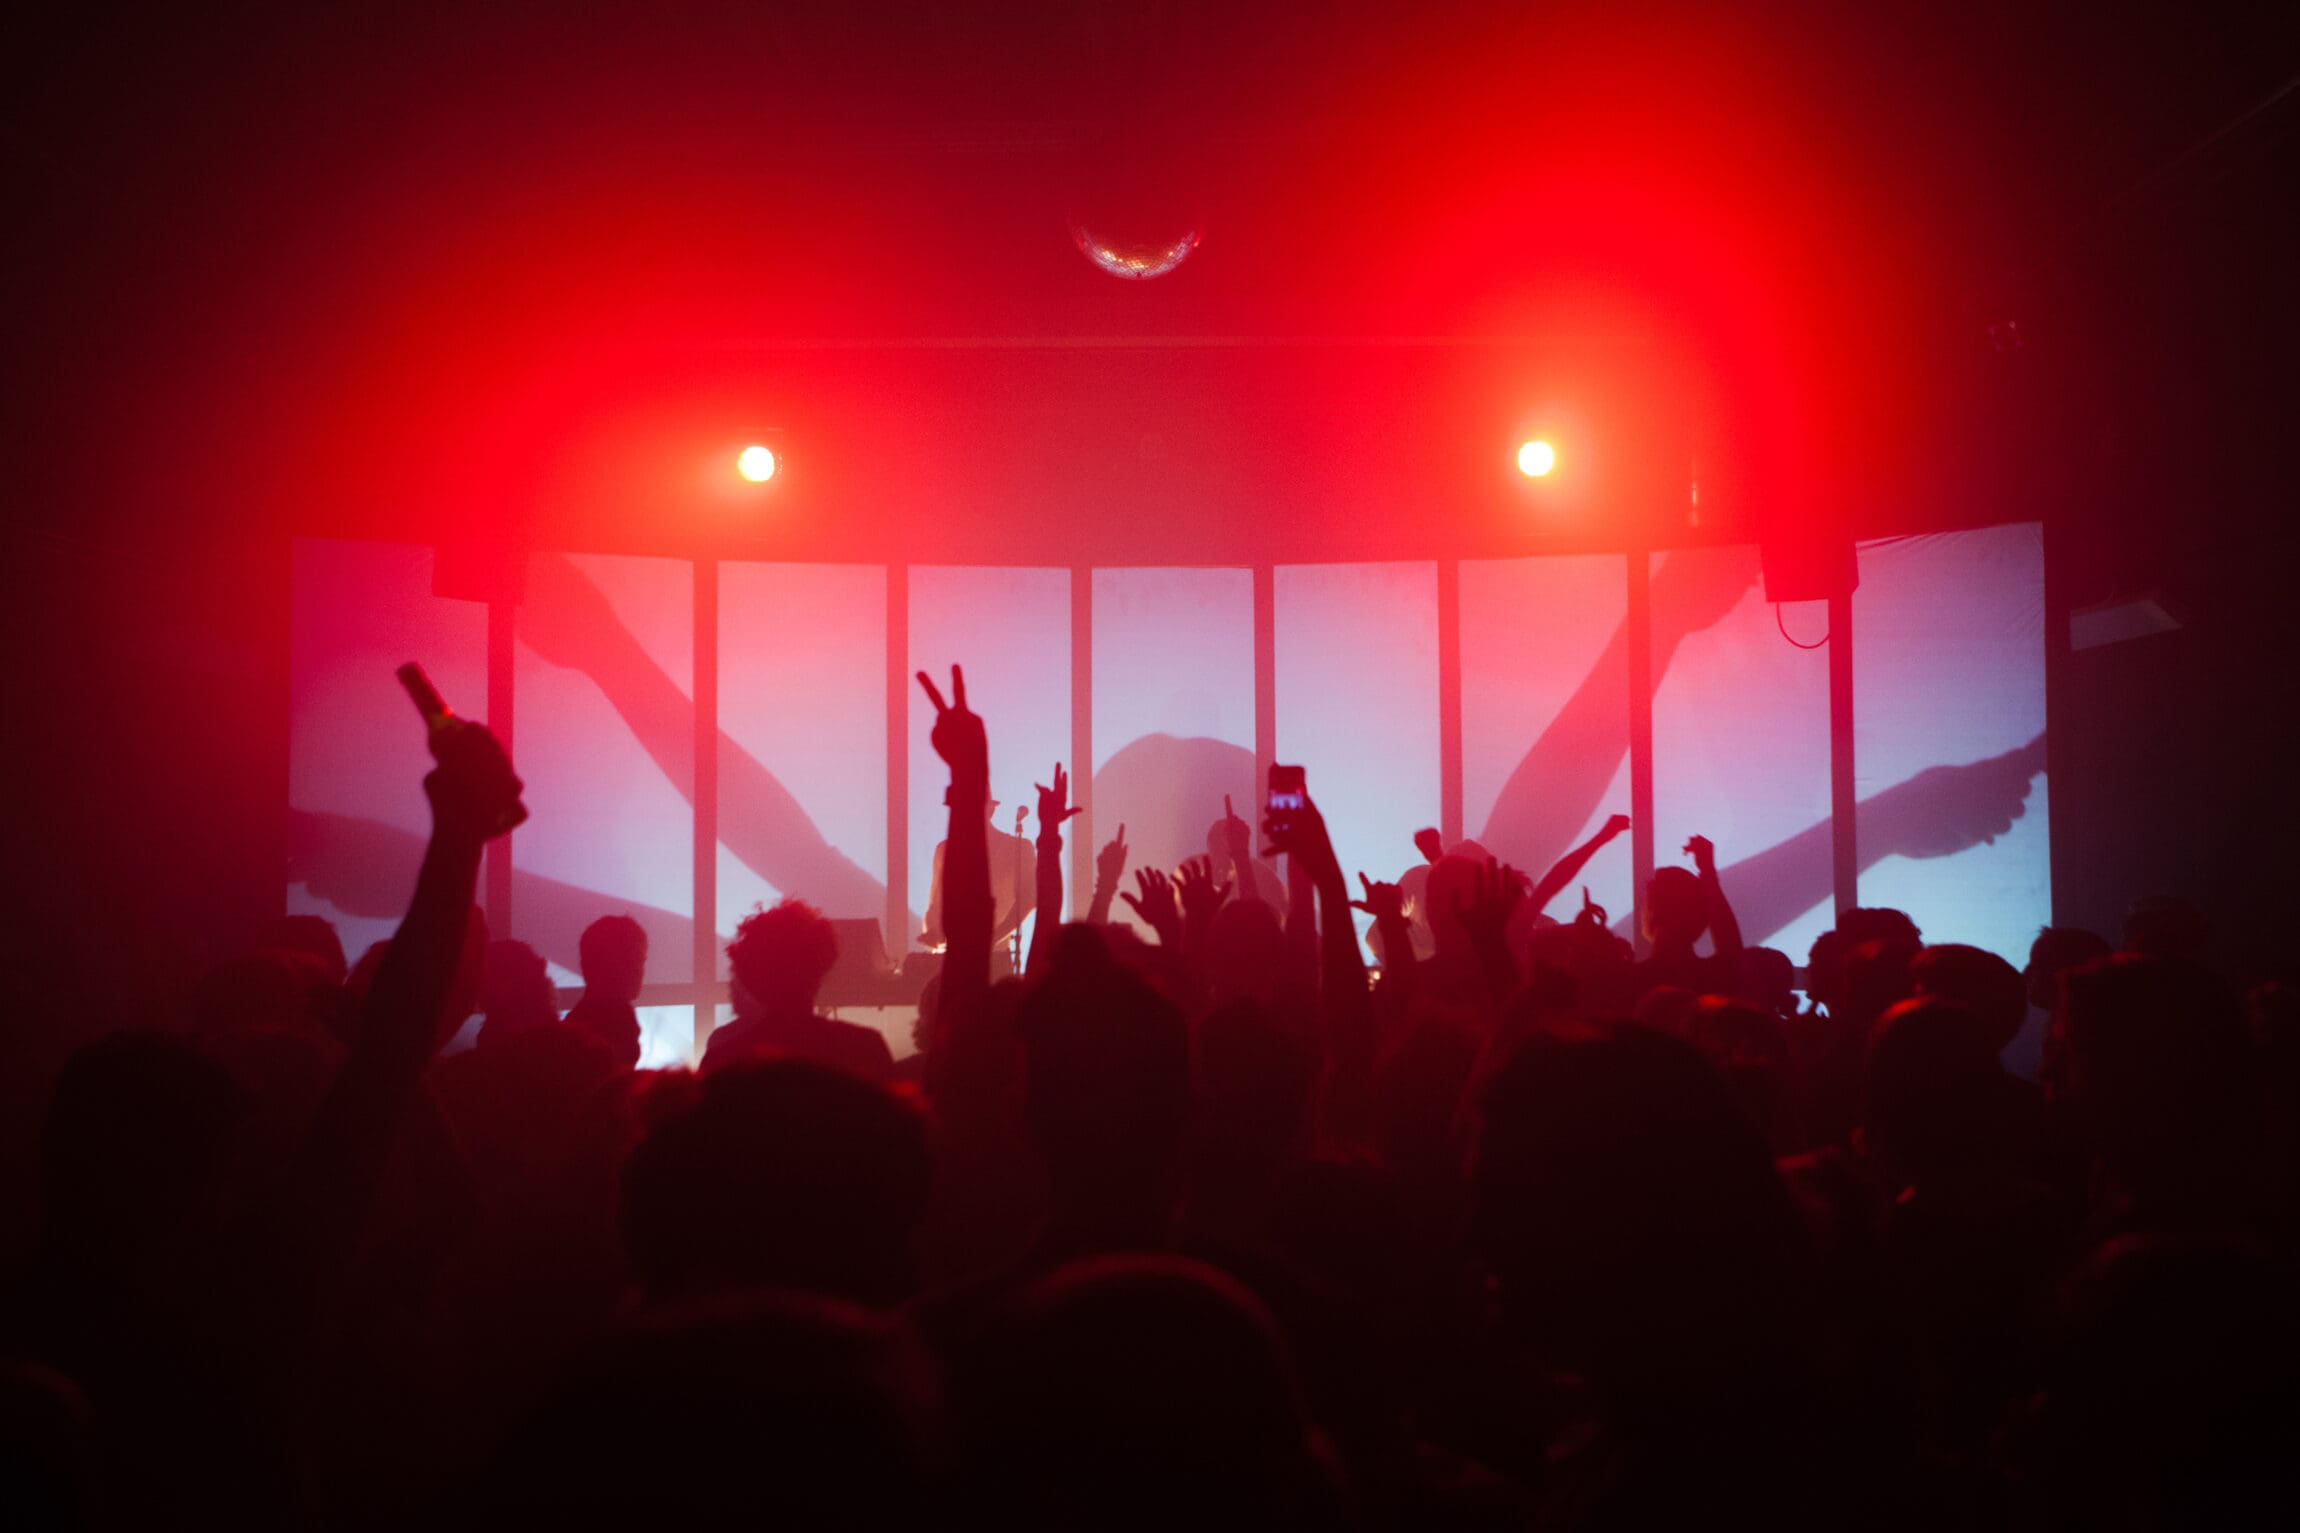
(356, 750)
(603, 668)
(1545, 715)
(1173, 707)
(1010, 630)
(1949, 718)
(1357, 703)
(1741, 741)
(802, 713)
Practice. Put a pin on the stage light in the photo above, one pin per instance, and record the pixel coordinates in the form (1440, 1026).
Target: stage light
(756, 464)
(1535, 459)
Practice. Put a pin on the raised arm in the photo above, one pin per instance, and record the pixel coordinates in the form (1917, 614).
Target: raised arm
(1724, 929)
(1238, 840)
(1566, 868)
(1109, 867)
(1053, 808)
(1401, 966)
(1485, 912)
(1341, 962)
(967, 908)
(474, 797)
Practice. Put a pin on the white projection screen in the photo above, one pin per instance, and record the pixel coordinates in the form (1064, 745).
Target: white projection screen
(1545, 716)
(1010, 630)
(1173, 721)
(1356, 681)
(603, 683)
(1948, 730)
(802, 740)
(1949, 715)
(1741, 742)
(357, 818)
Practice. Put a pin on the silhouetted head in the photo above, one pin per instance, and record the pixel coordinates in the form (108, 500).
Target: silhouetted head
(138, 1156)
(2156, 1064)
(1140, 1392)
(1769, 979)
(272, 989)
(779, 1174)
(313, 936)
(1749, 1047)
(1876, 976)
(2166, 926)
(613, 954)
(1825, 972)
(2056, 950)
(518, 996)
(1107, 1064)
(746, 1411)
(1877, 923)
(1450, 883)
(48, 1456)
(1991, 989)
(1676, 908)
(1935, 1091)
(781, 956)
(1631, 1215)
(2170, 1398)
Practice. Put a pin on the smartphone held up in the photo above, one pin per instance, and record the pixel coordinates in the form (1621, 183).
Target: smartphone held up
(1288, 796)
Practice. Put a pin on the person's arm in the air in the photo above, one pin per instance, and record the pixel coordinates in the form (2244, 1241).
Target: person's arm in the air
(1401, 966)
(333, 1182)
(1484, 913)
(967, 910)
(1053, 809)
(1238, 841)
(1724, 929)
(1568, 867)
(1341, 962)
(1109, 867)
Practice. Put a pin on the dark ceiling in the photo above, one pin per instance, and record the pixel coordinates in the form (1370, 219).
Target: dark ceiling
(1901, 262)
(394, 269)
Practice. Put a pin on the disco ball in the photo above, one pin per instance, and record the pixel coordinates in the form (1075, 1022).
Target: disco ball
(1134, 259)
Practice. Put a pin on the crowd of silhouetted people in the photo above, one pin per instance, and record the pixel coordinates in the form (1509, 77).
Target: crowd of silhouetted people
(1188, 1219)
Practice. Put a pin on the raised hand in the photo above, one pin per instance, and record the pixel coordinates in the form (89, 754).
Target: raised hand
(1944, 810)
(1494, 891)
(473, 791)
(1302, 834)
(1592, 914)
(1703, 854)
(1384, 902)
(958, 736)
(1615, 825)
(1237, 835)
(1201, 896)
(1051, 802)
(1155, 905)
(1110, 862)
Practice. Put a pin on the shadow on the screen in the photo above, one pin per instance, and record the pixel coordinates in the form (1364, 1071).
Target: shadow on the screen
(366, 868)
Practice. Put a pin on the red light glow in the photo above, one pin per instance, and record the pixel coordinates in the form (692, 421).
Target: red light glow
(756, 464)
(1536, 459)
